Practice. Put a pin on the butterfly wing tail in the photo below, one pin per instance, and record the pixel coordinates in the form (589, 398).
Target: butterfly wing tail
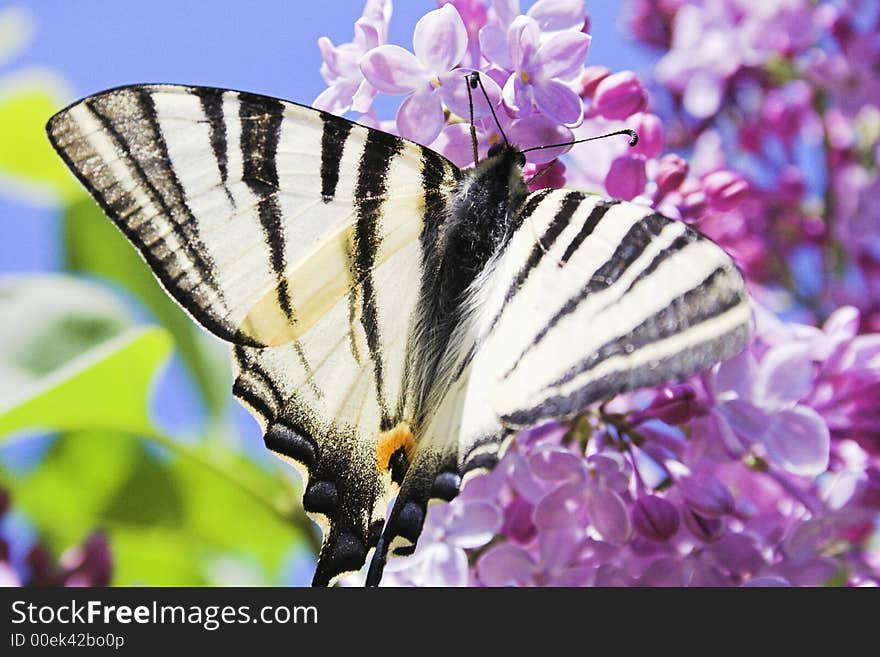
(434, 475)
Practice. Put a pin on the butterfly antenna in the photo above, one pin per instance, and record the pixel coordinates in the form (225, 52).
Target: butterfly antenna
(633, 140)
(474, 80)
(470, 85)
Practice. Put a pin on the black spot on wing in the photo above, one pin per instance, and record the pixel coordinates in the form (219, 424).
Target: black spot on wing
(398, 464)
(446, 485)
(408, 521)
(292, 443)
(343, 552)
(321, 497)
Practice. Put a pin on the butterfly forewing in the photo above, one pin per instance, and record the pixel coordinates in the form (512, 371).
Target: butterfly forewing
(293, 234)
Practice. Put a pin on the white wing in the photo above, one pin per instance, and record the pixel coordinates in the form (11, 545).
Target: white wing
(298, 237)
(594, 297)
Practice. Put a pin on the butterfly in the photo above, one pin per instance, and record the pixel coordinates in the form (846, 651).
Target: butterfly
(393, 320)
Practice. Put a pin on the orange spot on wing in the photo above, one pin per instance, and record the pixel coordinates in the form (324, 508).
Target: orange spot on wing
(392, 440)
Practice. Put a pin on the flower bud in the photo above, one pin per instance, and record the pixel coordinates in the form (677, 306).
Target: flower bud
(626, 177)
(655, 517)
(707, 495)
(89, 564)
(43, 571)
(649, 128)
(870, 491)
(791, 185)
(750, 136)
(703, 529)
(518, 525)
(724, 189)
(590, 78)
(693, 201)
(767, 581)
(619, 96)
(671, 172)
(675, 404)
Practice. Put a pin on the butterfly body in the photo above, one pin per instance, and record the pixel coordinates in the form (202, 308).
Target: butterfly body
(458, 257)
(393, 319)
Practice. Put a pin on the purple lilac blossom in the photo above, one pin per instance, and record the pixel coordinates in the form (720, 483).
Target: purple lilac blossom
(347, 89)
(765, 469)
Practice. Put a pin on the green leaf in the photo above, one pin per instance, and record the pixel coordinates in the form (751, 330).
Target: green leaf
(27, 101)
(69, 360)
(169, 519)
(106, 388)
(93, 244)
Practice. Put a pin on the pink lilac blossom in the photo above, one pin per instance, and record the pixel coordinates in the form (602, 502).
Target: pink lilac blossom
(347, 89)
(765, 469)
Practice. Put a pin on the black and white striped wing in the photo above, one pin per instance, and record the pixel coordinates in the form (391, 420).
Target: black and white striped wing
(591, 297)
(278, 228)
(594, 297)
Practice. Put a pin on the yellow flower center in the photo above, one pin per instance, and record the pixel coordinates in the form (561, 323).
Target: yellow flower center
(494, 138)
(524, 76)
(435, 82)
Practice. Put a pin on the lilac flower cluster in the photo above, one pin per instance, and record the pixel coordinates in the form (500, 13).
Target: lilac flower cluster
(787, 94)
(89, 564)
(764, 470)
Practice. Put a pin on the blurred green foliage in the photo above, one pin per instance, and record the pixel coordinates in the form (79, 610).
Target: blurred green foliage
(74, 362)
(25, 153)
(93, 245)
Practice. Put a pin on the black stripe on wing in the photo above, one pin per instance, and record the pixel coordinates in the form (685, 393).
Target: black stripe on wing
(589, 226)
(570, 203)
(711, 297)
(628, 250)
(212, 105)
(371, 194)
(127, 119)
(332, 145)
(260, 133)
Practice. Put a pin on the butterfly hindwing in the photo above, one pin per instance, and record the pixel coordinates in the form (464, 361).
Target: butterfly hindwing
(298, 237)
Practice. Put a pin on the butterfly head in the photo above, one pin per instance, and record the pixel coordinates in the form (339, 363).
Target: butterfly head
(507, 152)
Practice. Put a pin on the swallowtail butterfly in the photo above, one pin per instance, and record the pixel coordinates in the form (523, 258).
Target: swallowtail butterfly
(393, 319)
